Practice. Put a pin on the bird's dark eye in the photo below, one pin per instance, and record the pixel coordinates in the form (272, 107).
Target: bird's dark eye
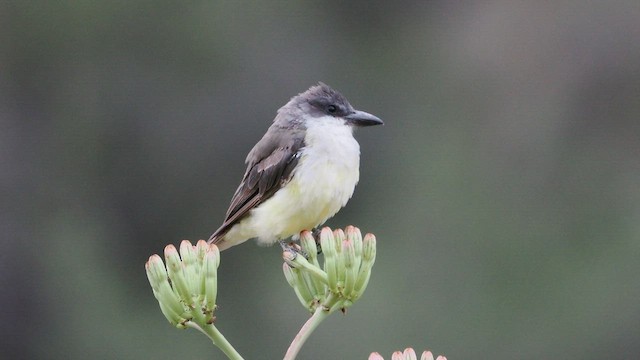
(332, 109)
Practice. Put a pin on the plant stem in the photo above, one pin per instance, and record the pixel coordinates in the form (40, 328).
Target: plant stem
(216, 337)
(318, 316)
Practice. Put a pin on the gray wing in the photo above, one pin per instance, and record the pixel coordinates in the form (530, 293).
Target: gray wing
(270, 167)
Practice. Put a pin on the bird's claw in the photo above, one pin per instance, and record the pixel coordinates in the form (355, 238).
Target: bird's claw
(293, 248)
(316, 236)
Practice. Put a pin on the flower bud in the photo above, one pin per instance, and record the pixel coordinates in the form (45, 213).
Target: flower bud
(309, 246)
(409, 354)
(176, 274)
(296, 279)
(354, 234)
(426, 355)
(368, 259)
(169, 302)
(350, 271)
(210, 271)
(190, 267)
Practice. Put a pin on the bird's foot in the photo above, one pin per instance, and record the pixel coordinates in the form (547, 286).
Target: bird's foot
(316, 236)
(293, 248)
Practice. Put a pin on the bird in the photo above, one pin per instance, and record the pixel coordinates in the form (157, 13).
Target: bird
(300, 174)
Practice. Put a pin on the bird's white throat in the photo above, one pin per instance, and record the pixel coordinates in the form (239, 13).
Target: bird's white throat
(330, 164)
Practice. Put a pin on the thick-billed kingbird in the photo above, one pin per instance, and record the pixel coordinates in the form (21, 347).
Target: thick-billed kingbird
(302, 171)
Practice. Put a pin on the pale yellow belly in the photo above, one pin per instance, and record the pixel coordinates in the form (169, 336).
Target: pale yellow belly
(314, 194)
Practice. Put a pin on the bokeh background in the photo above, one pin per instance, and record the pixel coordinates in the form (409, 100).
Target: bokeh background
(504, 187)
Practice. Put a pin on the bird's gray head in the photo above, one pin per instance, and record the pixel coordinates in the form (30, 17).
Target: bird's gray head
(318, 102)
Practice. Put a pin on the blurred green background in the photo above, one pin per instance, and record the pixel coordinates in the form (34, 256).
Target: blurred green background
(504, 187)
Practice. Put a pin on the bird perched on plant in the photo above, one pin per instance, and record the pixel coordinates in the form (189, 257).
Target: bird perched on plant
(301, 173)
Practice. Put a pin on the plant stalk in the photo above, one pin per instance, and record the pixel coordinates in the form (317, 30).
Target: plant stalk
(305, 332)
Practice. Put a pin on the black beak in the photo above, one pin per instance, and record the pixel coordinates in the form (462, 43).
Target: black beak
(361, 118)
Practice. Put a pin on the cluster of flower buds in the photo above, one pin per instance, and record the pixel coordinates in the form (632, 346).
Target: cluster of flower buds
(186, 288)
(407, 354)
(348, 259)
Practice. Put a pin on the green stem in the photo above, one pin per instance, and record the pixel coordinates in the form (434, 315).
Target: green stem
(216, 337)
(318, 316)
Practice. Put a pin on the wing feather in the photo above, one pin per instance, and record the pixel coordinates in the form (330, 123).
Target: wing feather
(270, 167)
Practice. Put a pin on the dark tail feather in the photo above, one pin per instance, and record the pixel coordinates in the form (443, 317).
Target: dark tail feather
(215, 238)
